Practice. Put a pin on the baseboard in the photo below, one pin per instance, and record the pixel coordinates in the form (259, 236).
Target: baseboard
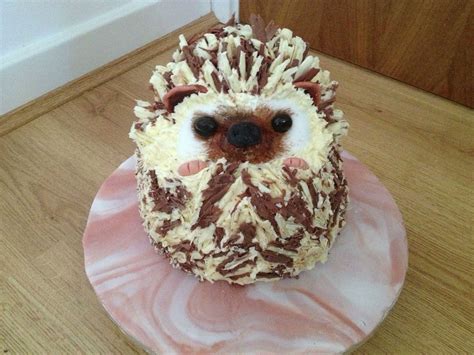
(36, 69)
(59, 96)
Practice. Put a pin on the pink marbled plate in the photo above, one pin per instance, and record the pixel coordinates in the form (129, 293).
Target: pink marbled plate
(329, 309)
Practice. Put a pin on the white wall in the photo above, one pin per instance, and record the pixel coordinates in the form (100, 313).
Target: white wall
(24, 22)
(47, 43)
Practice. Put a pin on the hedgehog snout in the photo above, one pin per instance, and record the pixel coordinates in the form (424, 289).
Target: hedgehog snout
(244, 134)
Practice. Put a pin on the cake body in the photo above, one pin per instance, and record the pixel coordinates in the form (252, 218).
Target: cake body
(238, 159)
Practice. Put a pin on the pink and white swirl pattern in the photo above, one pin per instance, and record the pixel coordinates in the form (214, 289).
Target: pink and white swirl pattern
(329, 309)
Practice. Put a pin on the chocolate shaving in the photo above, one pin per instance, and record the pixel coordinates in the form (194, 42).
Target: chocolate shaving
(329, 111)
(164, 200)
(254, 90)
(291, 244)
(185, 247)
(158, 106)
(310, 74)
(274, 257)
(167, 77)
(270, 30)
(312, 192)
(188, 266)
(329, 118)
(234, 63)
(248, 230)
(336, 200)
(217, 82)
(258, 27)
(294, 242)
(334, 157)
(167, 226)
(207, 216)
(194, 62)
(239, 276)
(247, 47)
(219, 233)
(213, 54)
(268, 275)
(326, 103)
(296, 208)
(224, 47)
(262, 76)
(290, 175)
(217, 31)
(265, 205)
(248, 66)
(221, 267)
(225, 86)
(294, 63)
(194, 38)
(232, 240)
(217, 187)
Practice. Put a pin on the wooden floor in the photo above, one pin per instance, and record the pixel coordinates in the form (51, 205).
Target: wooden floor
(419, 145)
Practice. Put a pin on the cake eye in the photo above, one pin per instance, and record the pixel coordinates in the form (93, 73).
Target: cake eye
(205, 126)
(282, 122)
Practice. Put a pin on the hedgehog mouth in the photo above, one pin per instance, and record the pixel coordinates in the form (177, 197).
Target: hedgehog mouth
(192, 167)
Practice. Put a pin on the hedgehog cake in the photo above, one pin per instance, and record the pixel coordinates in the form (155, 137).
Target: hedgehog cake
(239, 171)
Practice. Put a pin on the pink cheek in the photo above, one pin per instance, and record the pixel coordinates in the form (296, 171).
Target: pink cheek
(191, 167)
(295, 163)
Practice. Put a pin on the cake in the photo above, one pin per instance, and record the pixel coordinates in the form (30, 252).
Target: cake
(239, 173)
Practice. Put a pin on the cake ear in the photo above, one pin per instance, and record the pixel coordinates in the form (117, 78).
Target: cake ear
(312, 89)
(178, 93)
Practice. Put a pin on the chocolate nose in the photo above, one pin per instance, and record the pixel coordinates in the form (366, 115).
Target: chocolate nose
(244, 134)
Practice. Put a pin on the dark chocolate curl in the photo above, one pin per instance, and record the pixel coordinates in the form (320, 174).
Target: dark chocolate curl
(270, 30)
(258, 27)
(310, 74)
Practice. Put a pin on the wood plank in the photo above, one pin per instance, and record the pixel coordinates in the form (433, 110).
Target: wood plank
(418, 144)
(59, 96)
(425, 43)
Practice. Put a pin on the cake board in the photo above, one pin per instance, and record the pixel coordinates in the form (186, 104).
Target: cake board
(330, 309)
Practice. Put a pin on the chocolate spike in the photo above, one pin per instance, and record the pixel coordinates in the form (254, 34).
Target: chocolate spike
(294, 63)
(194, 38)
(310, 74)
(234, 63)
(262, 76)
(217, 82)
(225, 86)
(193, 61)
(167, 77)
(258, 27)
(270, 30)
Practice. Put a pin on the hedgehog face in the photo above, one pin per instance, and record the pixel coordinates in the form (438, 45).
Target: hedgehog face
(243, 127)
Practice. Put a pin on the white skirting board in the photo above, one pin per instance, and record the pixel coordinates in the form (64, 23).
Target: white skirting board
(42, 66)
